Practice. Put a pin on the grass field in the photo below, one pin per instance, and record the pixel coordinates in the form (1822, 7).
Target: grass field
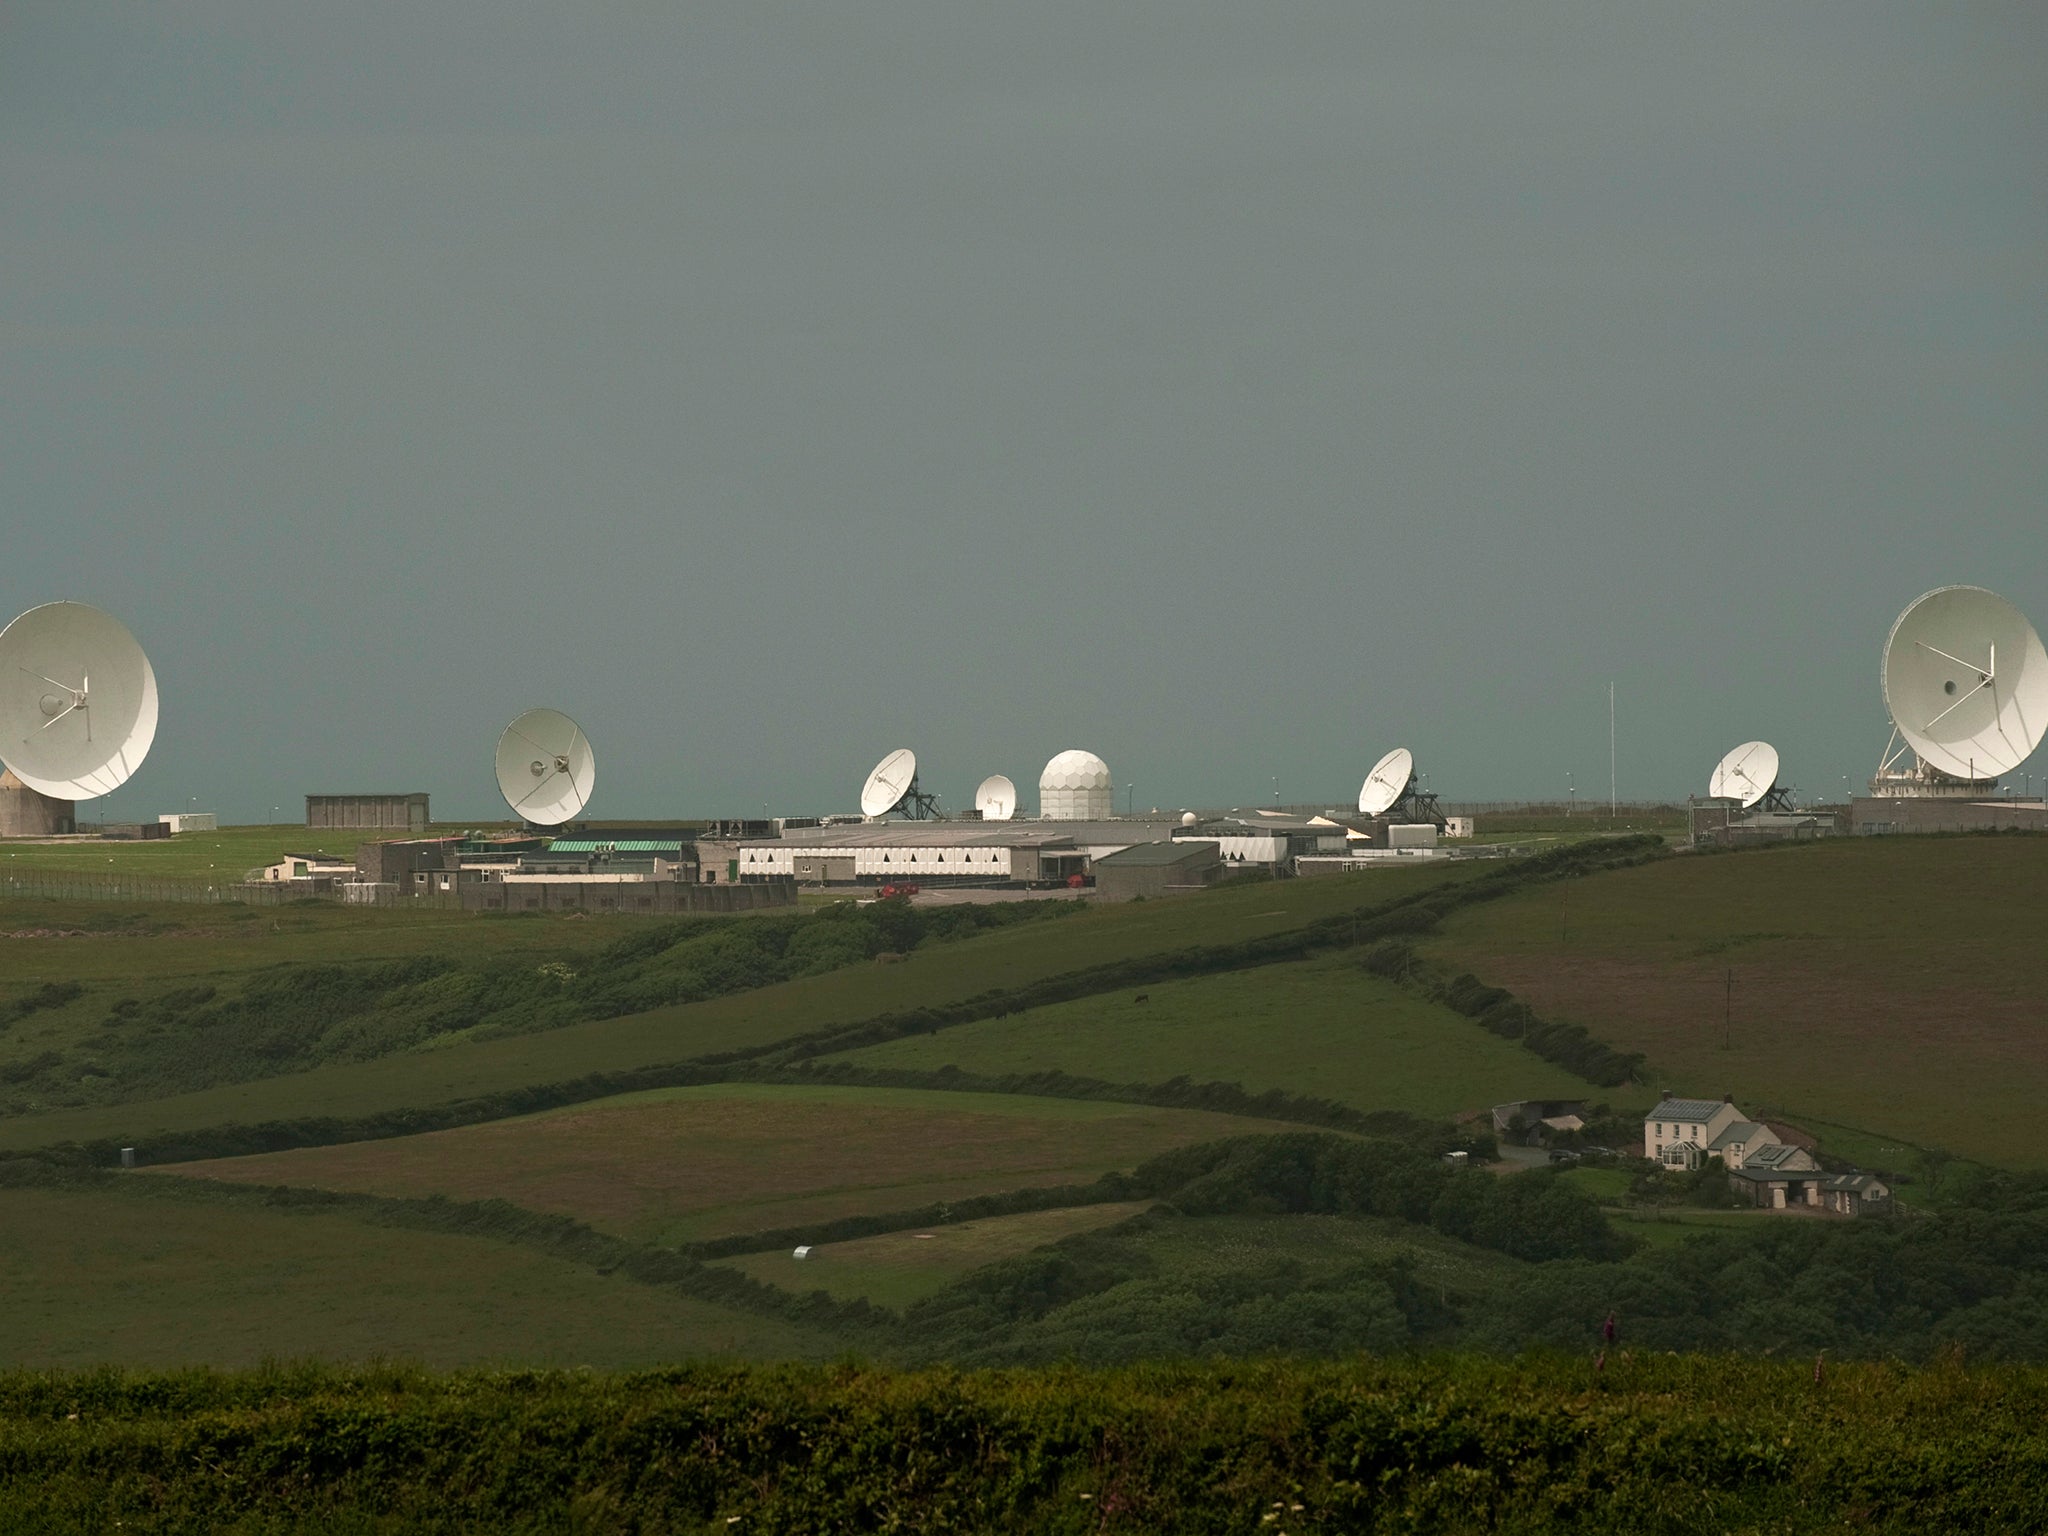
(135, 1279)
(897, 1268)
(686, 1164)
(1003, 958)
(1894, 985)
(1322, 1027)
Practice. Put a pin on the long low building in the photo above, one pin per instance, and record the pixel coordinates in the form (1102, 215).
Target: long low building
(944, 852)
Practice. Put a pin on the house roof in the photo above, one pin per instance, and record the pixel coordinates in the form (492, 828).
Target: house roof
(1855, 1181)
(1735, 1130)
(1768, 1173)
(1685, 1109)
(1772, 1155)
(1159, 853)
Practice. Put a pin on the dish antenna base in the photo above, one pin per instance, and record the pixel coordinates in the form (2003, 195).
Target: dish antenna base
(1414, 807)
(1777, 798)
(916, 805)
(1902, 774)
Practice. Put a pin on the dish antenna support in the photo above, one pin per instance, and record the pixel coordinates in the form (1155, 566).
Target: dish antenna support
(892, 787)
(546, 769)
(1392, 790)
(1965, 682)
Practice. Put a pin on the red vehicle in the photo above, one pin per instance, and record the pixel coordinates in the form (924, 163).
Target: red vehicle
(890, 892)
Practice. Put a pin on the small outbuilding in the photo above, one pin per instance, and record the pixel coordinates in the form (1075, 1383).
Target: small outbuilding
(1157, 869)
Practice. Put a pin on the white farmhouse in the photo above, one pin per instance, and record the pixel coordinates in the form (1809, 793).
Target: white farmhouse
(1682, 1133)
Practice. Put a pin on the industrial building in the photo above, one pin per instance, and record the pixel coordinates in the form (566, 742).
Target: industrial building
(1876, 816)
(1157, 869)
(395, 813)
(964, 852)
(26, 812)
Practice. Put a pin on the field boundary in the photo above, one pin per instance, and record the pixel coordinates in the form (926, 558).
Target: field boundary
(1406, 915)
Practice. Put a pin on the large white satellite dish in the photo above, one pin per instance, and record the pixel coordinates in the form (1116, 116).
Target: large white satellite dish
(996, 799)
(1388, 782)
(77, 701)
(1748, 774)
(892, 781)
(1966, 682)
(546, 769)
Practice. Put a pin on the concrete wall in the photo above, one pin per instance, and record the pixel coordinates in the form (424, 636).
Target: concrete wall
(25, 812)
(1875, 817)
(399, 813)
(624, 896)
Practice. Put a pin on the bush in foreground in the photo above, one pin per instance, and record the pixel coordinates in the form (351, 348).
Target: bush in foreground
(1674, 1443)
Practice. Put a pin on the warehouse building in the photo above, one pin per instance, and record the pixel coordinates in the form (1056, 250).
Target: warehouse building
(1031, 853)
(1157, 869)
(396, 813)
(1872, 816)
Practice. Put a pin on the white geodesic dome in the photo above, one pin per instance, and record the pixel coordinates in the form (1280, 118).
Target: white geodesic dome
(1076, 786)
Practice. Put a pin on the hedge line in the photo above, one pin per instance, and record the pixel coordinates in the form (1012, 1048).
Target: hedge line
(1687, 1444)
(1403, 916)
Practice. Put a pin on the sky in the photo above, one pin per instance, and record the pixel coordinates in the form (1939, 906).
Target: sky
(1233, 391)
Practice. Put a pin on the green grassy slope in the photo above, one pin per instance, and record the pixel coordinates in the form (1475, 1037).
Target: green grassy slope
(1320, 1027)
(686, 1164)
(897, 1268)
(1895, 984)
(137, 1279)
(1004, 958)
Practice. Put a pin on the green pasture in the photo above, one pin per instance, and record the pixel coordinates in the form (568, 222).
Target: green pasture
(686, 1164)
(897, 1268)
(945, 973)
(1321, 1027)
(1893, 984)
(138, 1278)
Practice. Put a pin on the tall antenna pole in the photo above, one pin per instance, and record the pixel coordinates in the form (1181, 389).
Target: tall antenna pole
(1610, 751)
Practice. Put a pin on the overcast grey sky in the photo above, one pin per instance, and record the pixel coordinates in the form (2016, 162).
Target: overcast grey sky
(1235, 391)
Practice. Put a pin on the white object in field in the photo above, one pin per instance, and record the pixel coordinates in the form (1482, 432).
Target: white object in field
(546, 769)
(887, 785)
(1747, 773)
(1420, 834)
(1966, 682)
(1189, 819)
(802, 1253)
(1388, 782)
(997, 798)
(1076, 786)
(78, 703)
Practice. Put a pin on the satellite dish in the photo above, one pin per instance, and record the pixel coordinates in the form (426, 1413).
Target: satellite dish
(996, 799)
(1749, 773)
(546, 769)
(1388, 782)
(890, 783)
(77, 701)
(1966, 682)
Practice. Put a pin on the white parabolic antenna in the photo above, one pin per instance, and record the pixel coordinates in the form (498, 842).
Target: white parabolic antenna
(546, 769)
(77, 701)
(1388, 782)
(1966, 682)
(997, 798)
(889, 783)
(1747, 774)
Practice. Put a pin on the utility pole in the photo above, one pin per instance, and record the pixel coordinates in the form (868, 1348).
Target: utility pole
(1610, 751)
(1728, 1013)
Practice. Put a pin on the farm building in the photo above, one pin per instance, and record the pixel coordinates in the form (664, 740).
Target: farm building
(397, 813)
(1877, 817)
(1525, 1115)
